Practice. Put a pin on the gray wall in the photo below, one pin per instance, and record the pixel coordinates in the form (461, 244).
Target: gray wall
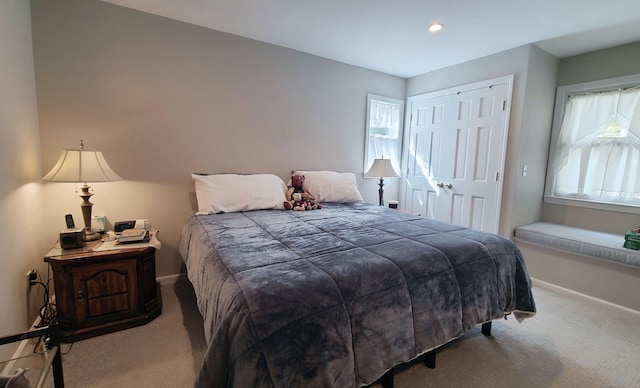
(604, 280)
(534, 137)
(162, 99)
(614, 62)
(529, 127)
(22, 239)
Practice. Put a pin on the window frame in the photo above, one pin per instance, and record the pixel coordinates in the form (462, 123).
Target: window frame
(367, 151)
(562, 96)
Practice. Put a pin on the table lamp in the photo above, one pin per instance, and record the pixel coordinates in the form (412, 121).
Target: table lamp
(381, 168)
(82, 166)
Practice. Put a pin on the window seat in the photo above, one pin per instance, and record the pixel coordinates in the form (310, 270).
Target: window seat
(599, 245)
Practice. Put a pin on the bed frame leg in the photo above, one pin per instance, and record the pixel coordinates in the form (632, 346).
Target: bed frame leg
(486, 329)
(430, 359)
(58, 376)
(387, 379)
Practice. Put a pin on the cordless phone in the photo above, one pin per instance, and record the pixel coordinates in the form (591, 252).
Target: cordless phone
(69, 220)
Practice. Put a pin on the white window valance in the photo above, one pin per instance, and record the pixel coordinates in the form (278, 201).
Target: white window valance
(596, 154)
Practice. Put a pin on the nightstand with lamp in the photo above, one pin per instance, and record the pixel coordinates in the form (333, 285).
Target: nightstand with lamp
(381, 168)
(100, 287)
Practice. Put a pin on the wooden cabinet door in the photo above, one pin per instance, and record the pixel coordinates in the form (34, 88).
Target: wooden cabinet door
(105, 292)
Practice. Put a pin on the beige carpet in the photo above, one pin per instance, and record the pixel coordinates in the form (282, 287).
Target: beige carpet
(572, 342)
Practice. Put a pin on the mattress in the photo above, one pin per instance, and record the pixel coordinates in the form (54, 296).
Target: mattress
(338, 296)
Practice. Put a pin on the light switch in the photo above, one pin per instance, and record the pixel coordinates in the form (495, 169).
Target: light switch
(525, 170)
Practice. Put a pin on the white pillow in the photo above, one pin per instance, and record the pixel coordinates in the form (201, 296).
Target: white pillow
(331, 186)
(225, 193)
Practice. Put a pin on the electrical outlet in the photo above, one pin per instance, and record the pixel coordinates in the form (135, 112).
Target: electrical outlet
(32, 276)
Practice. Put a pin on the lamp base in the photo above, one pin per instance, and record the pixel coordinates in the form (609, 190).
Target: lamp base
(90, 235)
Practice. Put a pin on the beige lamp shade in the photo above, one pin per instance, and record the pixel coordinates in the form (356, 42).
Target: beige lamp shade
(81, 166)
(382, 168)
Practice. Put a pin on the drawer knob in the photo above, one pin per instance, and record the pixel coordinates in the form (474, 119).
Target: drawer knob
(80, 296)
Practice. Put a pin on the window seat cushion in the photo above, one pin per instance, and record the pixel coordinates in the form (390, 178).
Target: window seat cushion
(605, 246)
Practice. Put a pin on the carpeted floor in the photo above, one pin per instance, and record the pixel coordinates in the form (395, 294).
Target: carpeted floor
(572, 342)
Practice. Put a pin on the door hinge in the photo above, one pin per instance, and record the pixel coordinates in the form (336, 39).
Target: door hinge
(497, 175)
(504, 104)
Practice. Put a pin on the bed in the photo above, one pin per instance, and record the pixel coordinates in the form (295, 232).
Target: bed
(336, 297)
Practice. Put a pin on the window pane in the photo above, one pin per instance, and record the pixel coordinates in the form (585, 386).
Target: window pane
(384, 120)
(597, 153)
(384, 130)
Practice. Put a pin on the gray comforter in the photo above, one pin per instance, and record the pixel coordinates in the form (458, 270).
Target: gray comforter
(335, 297)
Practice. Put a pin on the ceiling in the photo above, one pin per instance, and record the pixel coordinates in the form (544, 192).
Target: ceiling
(391, 35)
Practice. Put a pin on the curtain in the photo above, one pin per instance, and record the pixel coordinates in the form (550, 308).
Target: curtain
(384, 130)
(597, 155)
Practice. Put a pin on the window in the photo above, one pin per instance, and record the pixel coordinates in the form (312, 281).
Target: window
(384, 130)
(594, 157)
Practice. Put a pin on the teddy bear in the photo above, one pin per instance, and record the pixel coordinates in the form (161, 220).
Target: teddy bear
(296, 202)
(298, 198)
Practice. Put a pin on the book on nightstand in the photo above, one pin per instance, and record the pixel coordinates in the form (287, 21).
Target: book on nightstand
(133, 236)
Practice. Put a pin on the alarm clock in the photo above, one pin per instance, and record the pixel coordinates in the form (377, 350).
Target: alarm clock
(72, 238)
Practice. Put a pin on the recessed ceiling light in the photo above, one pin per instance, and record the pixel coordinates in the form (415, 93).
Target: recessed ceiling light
(435, 27)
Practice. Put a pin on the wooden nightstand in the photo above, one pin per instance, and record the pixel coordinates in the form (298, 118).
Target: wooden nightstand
(105, 291)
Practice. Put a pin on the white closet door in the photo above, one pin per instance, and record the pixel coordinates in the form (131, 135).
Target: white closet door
(455, 154)
(426, 162)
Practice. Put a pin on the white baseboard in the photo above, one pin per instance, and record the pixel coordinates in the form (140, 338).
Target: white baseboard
(171, 279)
(20, 351)
(554, 287)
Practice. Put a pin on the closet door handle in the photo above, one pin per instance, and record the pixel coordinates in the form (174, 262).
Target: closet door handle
(448, 186)
(440, 185)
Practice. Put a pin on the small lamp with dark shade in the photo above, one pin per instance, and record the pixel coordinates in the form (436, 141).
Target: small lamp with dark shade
(381, 168)
(82, 166)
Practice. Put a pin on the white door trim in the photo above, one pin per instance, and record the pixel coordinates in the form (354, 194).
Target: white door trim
(508, 80)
